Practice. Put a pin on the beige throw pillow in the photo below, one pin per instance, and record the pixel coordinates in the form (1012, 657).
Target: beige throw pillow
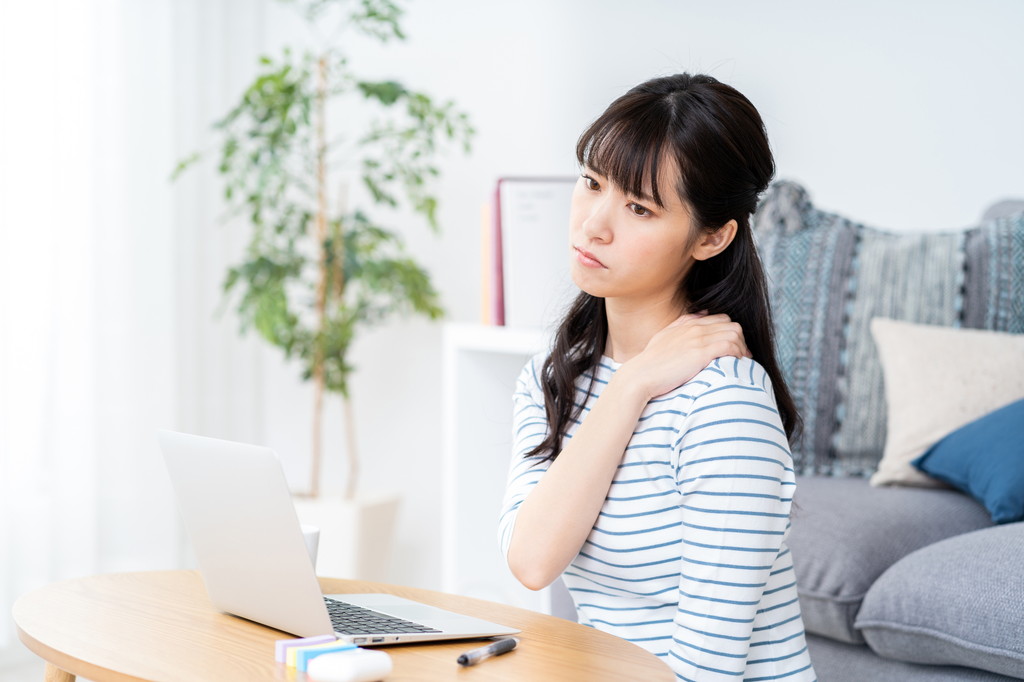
(938, 379)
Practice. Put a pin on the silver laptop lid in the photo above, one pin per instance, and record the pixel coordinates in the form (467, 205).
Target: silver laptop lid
(237, 509)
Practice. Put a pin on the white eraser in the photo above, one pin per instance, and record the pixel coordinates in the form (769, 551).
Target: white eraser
(358, 665)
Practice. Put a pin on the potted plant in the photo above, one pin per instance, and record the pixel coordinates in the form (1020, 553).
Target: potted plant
(316, 270)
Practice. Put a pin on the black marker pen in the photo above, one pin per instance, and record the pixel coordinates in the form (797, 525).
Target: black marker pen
(502, 646)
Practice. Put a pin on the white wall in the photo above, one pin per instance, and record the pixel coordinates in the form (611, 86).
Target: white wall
(902, 115)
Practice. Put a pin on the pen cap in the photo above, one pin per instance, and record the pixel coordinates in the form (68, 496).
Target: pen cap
(359, 665)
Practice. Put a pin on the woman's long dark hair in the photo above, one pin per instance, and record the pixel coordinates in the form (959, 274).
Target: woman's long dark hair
(717, 139)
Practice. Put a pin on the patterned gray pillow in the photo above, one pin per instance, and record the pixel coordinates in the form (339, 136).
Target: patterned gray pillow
(828, 277)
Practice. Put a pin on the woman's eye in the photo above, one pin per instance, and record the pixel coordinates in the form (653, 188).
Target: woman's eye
(591, 183)
(639, 210)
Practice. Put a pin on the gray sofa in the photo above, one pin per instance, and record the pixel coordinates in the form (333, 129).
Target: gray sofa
(889, 576)
(895, 583)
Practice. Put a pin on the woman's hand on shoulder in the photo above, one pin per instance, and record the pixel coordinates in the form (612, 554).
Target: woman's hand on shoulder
(681, 350)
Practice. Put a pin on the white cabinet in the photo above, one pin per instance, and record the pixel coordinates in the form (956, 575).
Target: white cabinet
(481, 365)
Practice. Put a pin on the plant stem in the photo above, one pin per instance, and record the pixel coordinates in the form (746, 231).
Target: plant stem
(318, 411)
(350, 441)
(351, 448)
(321, 287)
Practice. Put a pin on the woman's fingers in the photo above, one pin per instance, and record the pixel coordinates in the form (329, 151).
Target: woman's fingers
(727, 336)
(693, 317)
(726, 341)
(721, 333)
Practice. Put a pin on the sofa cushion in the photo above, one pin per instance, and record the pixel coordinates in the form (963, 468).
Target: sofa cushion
(841, 662)
(985, 459)
(956, 602)
(938, 379)
(829, 276)
(845, 533)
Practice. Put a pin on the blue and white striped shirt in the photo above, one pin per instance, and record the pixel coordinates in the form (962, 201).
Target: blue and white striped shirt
(688, 556)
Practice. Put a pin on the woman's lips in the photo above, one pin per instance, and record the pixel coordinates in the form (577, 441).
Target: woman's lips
(587, 259)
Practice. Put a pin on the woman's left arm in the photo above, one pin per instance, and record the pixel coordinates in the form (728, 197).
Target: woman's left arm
(735, 475)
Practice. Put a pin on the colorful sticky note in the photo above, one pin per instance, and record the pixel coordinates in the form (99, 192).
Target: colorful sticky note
(305, 654)
(282, 646)
(292, 657)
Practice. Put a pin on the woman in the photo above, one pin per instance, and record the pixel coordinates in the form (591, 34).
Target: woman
(652, 468)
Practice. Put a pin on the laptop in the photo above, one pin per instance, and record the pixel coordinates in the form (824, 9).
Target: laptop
(247, 539)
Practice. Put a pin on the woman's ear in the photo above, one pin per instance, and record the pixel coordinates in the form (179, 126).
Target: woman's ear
(713, 243)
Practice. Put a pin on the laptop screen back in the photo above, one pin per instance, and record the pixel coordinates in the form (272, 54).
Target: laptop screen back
(238, 511)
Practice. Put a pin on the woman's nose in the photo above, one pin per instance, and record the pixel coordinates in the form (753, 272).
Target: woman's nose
(596, 224)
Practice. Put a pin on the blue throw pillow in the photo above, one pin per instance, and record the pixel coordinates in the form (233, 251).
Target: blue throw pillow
(985, 459)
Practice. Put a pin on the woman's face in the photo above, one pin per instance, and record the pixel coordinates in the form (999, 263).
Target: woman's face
(626, 247)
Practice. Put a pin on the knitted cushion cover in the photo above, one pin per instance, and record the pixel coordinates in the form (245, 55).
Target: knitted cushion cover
(829, 276)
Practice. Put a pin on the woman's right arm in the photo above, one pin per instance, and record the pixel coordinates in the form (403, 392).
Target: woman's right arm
(559, 505)
(549, 513)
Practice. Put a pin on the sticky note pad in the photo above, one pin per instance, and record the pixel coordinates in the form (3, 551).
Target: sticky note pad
(282, 646)
(292, 655)
(303, 655)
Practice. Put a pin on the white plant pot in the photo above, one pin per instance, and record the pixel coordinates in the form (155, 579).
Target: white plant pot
(356, 536)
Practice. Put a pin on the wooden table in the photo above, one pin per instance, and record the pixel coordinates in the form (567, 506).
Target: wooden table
(161, 626)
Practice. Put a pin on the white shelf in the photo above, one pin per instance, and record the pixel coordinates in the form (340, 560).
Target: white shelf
(481, 365)
(491, 339)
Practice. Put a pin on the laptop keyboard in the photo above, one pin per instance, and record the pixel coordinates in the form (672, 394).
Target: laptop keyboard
(349, 619)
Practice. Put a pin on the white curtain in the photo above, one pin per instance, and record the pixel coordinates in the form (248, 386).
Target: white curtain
(90, 304)
(110, 278)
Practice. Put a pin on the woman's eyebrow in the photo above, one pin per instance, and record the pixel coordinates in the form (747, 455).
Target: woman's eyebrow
(644, 197)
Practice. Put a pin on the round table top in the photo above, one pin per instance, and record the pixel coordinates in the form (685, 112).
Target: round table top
(160, 625)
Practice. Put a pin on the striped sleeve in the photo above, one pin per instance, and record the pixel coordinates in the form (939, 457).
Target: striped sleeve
(735, 477)
(529, 428)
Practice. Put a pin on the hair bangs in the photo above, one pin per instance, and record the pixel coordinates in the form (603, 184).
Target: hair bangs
(626, 147)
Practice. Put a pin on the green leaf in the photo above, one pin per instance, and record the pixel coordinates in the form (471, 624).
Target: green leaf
(185, 164)
(385, 92)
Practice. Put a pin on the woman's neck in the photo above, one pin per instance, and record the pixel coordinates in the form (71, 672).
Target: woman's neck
(631, 326)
